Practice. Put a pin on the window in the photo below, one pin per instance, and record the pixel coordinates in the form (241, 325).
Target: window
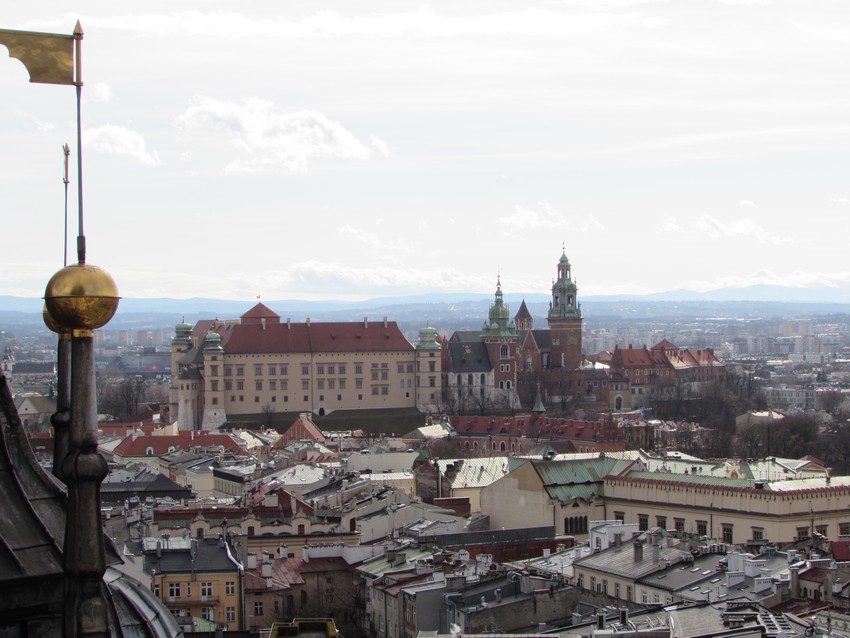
(273, 385)
(284, 370)
(503, 352)
(206, 589)
(620, 516)
(215, 400)
(803, 533)
(643, 522)
(385, 389)
(286, 398)
(702, 528)
(661, 521)
(358, 383)
(230, 614)
(228, 371)
(358, 368)
(375, 390)
(256, 399)
(258, 370)
(844, 529)
(214, 386)
(301, 529)
(342, 368)
(341, 384)
(822, 529)
(331, 370)
(230, 588)
(208, 613)
(174, 590)
(320, 369)
(305, 369)
(680, 525)
(305, 384)
(213, 371)
(258, 607)
(240, 385)
(400, 368)
(727, 532)
(616, 590)
(758, 533)
(258, 386)
(320, 384)
(240, 371)
(228, 385)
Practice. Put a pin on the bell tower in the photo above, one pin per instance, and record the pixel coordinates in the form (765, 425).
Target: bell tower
(565, 319)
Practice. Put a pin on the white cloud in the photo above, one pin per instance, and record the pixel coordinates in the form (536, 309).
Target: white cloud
(841, 201)
(121, 141)
(670, 225)
(380, 146)
(796, 279)
(343, 281)
(746, 202)
(361, 236)
(102, 92)
(526, 219)
(271, 140)
(743, 228)
(422, 22)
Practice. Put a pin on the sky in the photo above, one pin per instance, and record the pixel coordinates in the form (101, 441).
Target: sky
(317, 150)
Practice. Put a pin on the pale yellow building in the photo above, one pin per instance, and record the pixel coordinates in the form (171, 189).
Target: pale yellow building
(259, 365)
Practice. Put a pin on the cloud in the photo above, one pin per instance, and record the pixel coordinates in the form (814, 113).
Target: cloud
(743, 228)
(342, 281)
(361, 236)
(422, 22)
(271, 140)
(380, 146)
(120, 141)
(670, 225)
(795, 279)
(746, 202)
(841, 201)
(102, 92)
(526, 219)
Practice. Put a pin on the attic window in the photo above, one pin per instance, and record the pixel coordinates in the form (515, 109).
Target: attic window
(149, 451)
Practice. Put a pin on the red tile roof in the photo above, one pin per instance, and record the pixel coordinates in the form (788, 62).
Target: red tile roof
(183, 441)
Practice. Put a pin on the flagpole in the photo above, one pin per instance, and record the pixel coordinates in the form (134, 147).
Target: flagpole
(66, 151)
(78, 83)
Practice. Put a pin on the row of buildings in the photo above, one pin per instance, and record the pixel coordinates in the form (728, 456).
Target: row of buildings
(261, 363)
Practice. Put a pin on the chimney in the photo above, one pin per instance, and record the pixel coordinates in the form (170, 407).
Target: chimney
(267, 570)
(600, 620)
(252, 561)
(365, 322)
(159, 549)
(624, 616)
(385, 322)
(656, 553)
(289, 323)
(308, 322)
(498, 593)
(263, 322)
(638, 554)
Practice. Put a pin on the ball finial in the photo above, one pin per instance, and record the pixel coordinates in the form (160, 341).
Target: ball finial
(81, 297)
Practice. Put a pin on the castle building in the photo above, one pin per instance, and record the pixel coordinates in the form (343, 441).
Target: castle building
(261, 365)
(487, 368)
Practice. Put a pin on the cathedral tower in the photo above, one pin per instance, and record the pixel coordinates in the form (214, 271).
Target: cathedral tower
(565, 319)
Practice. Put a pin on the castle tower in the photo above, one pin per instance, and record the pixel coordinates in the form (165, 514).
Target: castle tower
(500, 338)
(180, 345)
(565, 319)
(213, 396)
(428, 370)
(523, 318)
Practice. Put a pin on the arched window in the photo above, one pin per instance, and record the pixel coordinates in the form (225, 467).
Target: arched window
(459, 380)
(482, 378)
(503, 352)
(149, 451)
(502, 446)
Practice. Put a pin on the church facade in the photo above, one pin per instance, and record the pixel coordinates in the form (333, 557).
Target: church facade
(503, 365)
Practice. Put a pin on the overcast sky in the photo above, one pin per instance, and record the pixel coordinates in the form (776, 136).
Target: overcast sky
(345, 150)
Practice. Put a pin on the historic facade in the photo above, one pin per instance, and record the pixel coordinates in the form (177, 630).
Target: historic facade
(503, 364)
(259, 364)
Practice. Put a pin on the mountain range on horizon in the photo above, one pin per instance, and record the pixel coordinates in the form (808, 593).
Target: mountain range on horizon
(193, 305)
(464, 309)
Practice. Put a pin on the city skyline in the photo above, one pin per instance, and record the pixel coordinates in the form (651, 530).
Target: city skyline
(389, 149)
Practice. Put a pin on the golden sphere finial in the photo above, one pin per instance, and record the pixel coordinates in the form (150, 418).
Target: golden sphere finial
(81, 297)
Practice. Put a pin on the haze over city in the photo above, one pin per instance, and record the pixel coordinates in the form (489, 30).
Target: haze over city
(337, 151)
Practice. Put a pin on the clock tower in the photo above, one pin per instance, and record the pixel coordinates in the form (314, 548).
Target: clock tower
(565, 319)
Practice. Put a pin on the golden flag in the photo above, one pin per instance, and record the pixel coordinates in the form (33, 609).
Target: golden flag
(48, 57)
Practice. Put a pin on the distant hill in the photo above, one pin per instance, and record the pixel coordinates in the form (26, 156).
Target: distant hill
(443, 310)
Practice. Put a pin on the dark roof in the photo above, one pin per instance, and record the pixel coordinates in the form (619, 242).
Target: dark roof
(32, 536)
(523, 312)
(469, 357)
(34, 367)
(211, 555)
